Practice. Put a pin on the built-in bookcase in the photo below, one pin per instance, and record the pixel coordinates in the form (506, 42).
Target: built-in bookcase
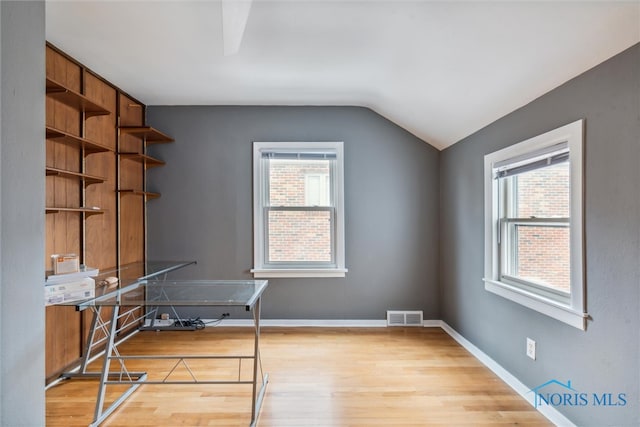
(96, 195)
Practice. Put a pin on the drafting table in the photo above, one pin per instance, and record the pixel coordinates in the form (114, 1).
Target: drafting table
(125, 305)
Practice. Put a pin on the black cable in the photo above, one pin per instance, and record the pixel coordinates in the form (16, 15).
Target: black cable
(217, 321)
(198, 323)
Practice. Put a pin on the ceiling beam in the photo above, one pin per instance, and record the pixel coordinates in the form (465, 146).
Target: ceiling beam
(234, 20)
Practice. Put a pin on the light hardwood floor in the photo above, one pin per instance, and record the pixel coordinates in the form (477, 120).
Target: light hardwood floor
(317, 377)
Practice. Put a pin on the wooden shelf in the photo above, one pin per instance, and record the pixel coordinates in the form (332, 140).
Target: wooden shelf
(74, 99)
(148, 161)
(90, 147)
(146, 194)
(86, 211)
(149, 134)
(86, 178)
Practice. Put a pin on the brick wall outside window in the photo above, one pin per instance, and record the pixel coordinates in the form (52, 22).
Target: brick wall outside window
(543, 252)
(297, 236)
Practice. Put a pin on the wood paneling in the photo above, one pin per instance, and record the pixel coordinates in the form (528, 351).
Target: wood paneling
(101, 230)
(132, 171)
(62, 339)
(63, 230)
(93, 237)
(131, 112)
(85, 171)
(92, 218)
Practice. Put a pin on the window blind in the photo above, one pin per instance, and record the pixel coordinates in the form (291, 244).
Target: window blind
(552, 155)
(298, 155)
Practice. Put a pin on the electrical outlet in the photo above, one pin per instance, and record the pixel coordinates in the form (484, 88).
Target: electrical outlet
(531, 348)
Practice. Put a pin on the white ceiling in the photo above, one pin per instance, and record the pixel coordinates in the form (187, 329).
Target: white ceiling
(442, 70)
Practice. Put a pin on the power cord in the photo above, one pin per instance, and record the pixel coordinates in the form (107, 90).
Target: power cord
(217, 321)
(187, 323)
(199, 323)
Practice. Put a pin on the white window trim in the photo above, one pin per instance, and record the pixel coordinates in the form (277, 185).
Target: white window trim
(574, 312)
(259, 270)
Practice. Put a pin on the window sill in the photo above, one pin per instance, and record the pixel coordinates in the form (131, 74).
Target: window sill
(538, 303)
(265, 273)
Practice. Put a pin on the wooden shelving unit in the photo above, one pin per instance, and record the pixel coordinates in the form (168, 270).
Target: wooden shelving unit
(80, 175)
(148, 161)
(149, 134)
(96, 194)
(63, 137)
(74, 99)
(86, 178)
(86, 211)
(148, 195)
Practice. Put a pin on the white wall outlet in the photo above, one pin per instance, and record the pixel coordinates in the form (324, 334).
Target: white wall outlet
(531, 348)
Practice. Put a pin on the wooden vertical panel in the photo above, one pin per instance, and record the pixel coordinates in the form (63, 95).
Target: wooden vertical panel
(108, 240)
(101, 129)
(63, 70)
(132, 209)
(101, 234)
(131, 222)
(101, 230)
(63, 229)
(132, 172)
(131, 112)
(67, 73)
(62, 339)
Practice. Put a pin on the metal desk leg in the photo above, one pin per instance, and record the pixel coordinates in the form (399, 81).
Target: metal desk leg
(257, 395)
(97, 324)
(90, 339)
(101, 414)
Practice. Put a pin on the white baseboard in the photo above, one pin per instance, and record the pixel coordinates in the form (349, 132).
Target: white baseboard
(306, 323)
(432, 323)
(373, 323)
(549, 412)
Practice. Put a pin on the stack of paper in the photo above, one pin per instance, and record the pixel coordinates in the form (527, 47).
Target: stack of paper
(80, 289)
(70, 277)
(69, 287)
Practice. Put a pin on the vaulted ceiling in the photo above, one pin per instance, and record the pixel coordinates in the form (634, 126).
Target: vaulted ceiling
(440, 69)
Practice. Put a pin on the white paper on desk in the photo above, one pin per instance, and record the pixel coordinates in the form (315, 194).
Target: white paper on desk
(76, 290)
(69, 277)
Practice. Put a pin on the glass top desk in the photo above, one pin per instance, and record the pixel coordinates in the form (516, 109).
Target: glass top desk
(120, 306)
(153, 292)
(136, 271)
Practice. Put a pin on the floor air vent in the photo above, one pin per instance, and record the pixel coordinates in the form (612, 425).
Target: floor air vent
(404, 318)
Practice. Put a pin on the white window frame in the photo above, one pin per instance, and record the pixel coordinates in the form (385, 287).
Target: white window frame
(573, 309)
(261, 268)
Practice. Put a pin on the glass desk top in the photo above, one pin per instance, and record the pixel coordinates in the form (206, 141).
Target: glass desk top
(239, 293)
(133, 272)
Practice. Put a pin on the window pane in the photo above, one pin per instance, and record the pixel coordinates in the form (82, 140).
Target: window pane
(299, 182)
(543, 193)
(299, 236)
(541, 255)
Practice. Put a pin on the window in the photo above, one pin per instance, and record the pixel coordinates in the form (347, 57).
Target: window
(533, 224)
(317, 188)
(298, 209)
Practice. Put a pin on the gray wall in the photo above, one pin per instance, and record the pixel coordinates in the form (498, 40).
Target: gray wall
(391, 214)
(22, 195)
(605, 357)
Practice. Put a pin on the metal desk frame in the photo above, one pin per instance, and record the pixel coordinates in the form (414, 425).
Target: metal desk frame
(127, 318)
